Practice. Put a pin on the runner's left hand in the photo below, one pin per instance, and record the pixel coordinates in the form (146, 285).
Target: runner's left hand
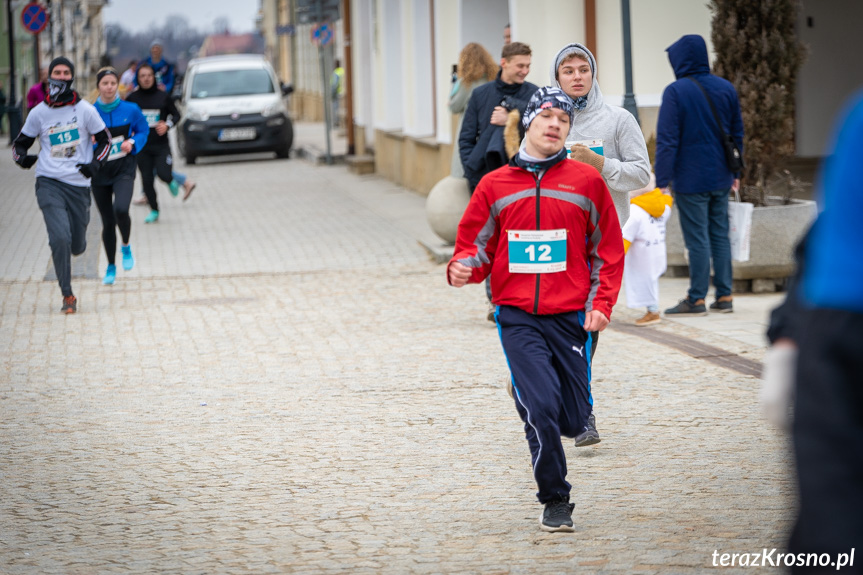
(89, 170)
(595, 321)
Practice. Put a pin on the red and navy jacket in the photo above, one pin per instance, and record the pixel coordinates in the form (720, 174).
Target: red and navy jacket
(569, 195)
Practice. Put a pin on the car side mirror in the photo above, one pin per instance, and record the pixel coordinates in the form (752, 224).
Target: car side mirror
(287, 89)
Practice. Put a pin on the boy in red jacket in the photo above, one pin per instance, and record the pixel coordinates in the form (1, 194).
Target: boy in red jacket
(547, 230)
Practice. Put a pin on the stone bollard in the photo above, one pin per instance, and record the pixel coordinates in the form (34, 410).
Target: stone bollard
(445, 205)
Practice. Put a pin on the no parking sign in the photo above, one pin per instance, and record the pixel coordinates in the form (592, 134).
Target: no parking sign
(34, 18)
(322, 34)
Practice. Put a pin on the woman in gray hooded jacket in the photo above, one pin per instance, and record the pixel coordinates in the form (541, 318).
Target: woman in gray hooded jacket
(608, 137)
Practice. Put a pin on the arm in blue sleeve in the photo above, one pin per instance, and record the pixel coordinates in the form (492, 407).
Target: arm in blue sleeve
(140, 129)
(667, 138)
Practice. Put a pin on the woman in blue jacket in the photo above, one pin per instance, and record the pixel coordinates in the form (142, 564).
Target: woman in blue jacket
(113, 185)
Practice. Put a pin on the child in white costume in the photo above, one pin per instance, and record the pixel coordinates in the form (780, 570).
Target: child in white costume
(644, 242)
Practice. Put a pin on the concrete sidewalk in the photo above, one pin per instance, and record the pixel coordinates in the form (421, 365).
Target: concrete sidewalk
(284, 383)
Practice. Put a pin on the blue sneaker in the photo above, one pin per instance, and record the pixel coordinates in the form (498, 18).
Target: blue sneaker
(128, 260)
(153, 217)
(174, 187)
(110, 275)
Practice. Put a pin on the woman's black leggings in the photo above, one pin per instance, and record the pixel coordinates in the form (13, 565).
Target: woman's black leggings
(114, 212)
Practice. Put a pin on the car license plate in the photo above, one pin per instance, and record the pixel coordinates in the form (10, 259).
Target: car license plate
(235, 134)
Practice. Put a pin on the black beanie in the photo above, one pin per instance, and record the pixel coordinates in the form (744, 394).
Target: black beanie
(60, 60)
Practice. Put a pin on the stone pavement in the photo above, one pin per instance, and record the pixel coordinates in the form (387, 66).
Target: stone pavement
(286, 384)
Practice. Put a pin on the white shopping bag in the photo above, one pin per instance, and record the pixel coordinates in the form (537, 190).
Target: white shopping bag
(739, 228)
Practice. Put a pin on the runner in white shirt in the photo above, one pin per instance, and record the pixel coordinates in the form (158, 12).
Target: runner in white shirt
(65, 126)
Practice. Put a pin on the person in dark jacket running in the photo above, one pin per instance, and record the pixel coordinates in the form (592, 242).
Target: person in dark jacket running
(113, 185)
(161, 114)
(690, 158)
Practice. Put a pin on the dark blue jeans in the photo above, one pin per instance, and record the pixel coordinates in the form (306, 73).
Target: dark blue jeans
(704, 222)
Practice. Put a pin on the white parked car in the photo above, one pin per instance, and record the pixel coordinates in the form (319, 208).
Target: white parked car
(233, 104)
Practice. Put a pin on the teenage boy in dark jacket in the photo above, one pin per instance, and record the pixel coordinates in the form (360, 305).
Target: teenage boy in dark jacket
(480, 142)
(691, 159)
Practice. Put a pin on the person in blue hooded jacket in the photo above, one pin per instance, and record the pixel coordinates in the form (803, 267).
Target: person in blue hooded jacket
(113, 185)
(690, 158)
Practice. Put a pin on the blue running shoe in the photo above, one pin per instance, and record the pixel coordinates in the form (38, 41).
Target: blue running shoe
(128, 260)
(174, 187)
(153, 217)
(110, 275)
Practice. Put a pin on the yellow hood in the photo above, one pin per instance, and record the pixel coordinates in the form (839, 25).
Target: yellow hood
(653, 202)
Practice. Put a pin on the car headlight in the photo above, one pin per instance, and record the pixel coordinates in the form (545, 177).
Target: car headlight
(272, 110)
(197, 116)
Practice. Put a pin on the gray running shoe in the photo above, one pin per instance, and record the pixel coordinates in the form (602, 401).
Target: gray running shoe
(589, 436)
(491, 309)
(687, 307)
(723, 305)
(557, 516)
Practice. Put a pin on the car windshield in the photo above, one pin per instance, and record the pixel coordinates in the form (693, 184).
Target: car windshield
(231, 83)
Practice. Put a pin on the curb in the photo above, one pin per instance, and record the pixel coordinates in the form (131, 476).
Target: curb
(318, 156)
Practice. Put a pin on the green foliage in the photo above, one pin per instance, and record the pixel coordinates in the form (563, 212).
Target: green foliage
(758, 51)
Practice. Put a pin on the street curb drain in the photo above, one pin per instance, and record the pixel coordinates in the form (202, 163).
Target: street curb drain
(694, 349)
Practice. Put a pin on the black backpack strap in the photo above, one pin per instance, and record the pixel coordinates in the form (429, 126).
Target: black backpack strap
(722, 132)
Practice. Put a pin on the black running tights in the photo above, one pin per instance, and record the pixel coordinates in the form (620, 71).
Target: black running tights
(156, 159)
(115, 212)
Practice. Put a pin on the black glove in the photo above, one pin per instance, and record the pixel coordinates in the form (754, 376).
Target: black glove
(89, 170)
(27, 162)
(508, 103)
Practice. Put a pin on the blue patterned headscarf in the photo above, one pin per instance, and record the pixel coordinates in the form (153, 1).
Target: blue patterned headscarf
(545, 98)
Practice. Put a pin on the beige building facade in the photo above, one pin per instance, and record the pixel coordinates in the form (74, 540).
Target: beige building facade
(402, 53)
(76, 32)
(296, 58)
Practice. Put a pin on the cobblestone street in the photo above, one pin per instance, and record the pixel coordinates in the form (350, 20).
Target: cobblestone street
(285, 383)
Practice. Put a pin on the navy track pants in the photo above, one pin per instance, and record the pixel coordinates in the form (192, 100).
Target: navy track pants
(549, 358)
